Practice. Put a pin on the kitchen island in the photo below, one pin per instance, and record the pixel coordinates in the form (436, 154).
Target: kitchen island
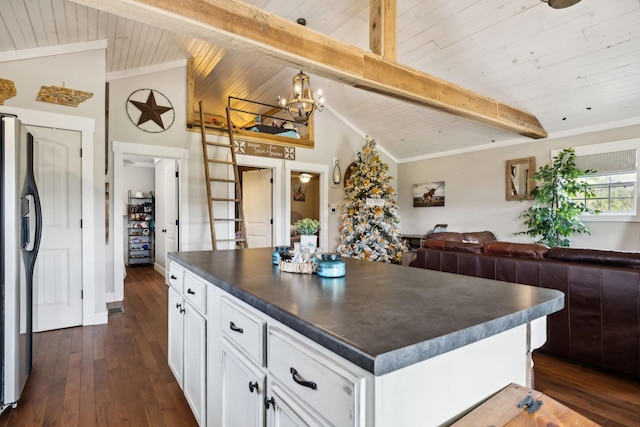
(394, 345)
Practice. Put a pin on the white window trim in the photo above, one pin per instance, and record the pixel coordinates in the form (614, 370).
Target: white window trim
(606, 147)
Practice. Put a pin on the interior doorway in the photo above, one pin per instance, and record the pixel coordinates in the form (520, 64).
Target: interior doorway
(257, 197)
(179, 157)
(305, 200)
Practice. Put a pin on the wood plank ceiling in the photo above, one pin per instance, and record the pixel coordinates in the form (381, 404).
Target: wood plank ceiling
(571, 68)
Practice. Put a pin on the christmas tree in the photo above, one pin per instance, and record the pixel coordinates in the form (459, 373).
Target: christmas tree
(369, 226)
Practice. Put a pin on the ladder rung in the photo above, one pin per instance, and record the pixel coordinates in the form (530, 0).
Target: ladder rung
(219, 144)
(228, 219)
(221, 180)
(221, 199)
(220, 162)
(231, 240)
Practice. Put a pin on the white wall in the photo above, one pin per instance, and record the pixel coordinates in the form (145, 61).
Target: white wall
(475, 194)
(84, 71)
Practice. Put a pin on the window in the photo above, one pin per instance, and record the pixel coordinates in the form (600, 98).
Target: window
(614, 182)
(614, 193)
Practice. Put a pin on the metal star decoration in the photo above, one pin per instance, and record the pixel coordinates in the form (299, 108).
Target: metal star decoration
(150, 110)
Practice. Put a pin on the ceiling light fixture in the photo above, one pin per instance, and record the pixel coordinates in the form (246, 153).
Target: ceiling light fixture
(305, 177)
(301, 104)
(560, 4)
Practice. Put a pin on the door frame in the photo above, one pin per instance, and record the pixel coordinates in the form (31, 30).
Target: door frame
(323, 172)
(276, 166)
(120, 150)
(86, 126)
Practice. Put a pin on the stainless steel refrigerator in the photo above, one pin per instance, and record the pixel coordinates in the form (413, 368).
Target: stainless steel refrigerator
(20, 232)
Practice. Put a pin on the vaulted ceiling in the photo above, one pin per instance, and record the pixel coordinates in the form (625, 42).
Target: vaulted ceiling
(572, 68)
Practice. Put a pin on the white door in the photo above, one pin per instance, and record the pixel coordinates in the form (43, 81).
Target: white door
(171, 213)
(256, 199)
(166, 210)
(57, 284)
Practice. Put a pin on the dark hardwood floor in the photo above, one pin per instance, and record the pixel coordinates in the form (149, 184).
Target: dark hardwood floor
(609, 400)
(117, 374)
(107, 375)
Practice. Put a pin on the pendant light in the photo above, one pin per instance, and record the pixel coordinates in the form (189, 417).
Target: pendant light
(301, 104)
(305, 177)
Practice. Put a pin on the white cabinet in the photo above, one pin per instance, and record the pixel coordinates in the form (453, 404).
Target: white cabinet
(243, 389)
(188, 337)
(176, 332)
(288, 412)
(317, 382)
(195, 370)
(272, 376)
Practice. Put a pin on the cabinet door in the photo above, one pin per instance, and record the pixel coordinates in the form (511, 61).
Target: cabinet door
(195, 362)
(176, 334)
(243, 389)
(287, 411)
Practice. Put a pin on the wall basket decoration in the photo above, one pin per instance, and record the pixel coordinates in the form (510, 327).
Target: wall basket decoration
(62, 95)
(7, 90)
(428, 194)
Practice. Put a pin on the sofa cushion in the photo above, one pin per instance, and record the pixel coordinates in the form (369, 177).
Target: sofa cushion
(445, 235)
(452, 246)
(474, 248)
(595, 256)
(518, 250)
(478, 237)
(433, 244)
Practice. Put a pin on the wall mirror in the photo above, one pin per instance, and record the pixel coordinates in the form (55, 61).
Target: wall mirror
(519, 178)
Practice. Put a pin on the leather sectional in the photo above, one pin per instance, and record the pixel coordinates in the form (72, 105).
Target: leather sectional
(600, 324)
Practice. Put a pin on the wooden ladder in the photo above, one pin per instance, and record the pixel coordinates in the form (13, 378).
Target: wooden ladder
(209, 148)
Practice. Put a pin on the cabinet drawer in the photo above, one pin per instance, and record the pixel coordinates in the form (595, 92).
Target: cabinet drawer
(244, 329)
(176, 277)
(328, 388)
(195, 292)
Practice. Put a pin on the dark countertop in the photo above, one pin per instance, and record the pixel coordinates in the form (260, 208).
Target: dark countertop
(381, 317)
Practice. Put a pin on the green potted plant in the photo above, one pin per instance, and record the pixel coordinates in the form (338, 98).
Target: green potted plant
(555, 214)
(308, 228)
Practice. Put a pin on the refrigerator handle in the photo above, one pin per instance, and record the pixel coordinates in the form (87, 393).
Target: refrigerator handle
(31, 199)
(30, 222)
(32, 211)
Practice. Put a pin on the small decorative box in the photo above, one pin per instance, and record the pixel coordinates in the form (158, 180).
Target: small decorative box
(297, 267)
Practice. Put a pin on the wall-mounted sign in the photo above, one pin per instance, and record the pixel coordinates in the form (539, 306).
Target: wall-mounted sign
(264, 150)
(62, 95)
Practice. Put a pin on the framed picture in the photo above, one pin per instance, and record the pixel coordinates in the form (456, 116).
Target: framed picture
(428, 194)
(299, 193)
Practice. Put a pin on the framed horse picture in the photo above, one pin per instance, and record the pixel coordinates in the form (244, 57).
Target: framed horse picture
(428, 194)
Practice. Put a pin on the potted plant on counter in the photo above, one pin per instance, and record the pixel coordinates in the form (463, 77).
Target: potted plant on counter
(308, 229)
(555, 215)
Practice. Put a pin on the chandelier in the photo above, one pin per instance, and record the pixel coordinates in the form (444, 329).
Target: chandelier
(301, 104)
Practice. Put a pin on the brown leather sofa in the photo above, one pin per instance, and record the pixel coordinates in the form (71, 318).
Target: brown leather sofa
(600, 324)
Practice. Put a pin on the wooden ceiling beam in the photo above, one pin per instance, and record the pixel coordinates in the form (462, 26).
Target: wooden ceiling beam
(235, 25)
(383, 31)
